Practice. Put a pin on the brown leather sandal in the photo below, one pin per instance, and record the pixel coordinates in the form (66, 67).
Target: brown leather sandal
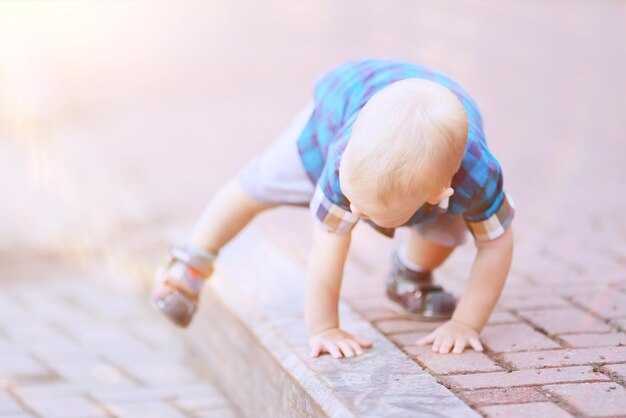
(413, 294)
(179, 283)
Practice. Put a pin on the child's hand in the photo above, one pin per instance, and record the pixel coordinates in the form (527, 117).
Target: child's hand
(452, 334)
(337, 343)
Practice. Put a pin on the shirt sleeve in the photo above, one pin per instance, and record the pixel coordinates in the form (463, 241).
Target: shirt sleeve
(330, 208)
(329, 216)
(491, 210)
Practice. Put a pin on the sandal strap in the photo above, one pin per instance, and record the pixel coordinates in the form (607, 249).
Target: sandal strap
(420, 278)
(199, 260)
(430, 288)
(175, 284)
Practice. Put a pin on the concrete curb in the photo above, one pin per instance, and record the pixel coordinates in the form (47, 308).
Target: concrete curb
(250, 329)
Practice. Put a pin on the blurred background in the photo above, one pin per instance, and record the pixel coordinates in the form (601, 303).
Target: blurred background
(118, 119)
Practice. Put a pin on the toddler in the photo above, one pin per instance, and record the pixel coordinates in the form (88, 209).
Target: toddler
(390, 144)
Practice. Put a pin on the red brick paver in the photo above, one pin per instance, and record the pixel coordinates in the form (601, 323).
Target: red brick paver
(515, 337)
(9, 405)
(565, 321)
(525, 377)
(67, 356)
(554, 358)
(492, 396)
(524, 410)
(617, 370)
(595, 340)
(466, 362)
(599, 399)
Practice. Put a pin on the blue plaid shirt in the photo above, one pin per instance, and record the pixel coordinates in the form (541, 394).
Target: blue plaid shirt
(339, 96)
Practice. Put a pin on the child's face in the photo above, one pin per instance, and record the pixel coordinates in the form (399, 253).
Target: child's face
(396, 213)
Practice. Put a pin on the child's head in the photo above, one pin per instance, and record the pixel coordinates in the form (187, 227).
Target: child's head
(407, 143)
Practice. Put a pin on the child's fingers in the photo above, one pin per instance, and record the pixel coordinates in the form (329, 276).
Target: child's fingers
(345, 347)
(459, 345)
(446, 345)
(355, 346)
(316, 350)
(332, 348)
(437, 343)
(364, 343)
(427, 339)
(476, 344)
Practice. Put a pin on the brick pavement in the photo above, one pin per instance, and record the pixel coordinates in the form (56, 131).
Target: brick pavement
(74, 347)
(554, 348)
(549, 344)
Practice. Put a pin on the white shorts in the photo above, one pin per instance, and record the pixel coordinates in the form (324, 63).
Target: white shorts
(277, 177)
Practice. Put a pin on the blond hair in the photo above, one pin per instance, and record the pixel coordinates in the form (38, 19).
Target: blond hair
(407, 142)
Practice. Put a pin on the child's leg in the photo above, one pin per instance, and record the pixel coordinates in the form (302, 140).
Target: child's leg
(430, 244)
(424, 254)
(226, 214)
(275, 177)
(410, 286)
(179, 284)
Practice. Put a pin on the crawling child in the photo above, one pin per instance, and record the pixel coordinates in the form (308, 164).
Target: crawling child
(390, 144)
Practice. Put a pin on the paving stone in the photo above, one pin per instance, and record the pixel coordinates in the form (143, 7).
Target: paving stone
(22, 367)
(406, 339)
(609, 304)
(599, 399)
(620, 323)
(156, 335)
(399, 326)
(92, 372)
(54, 353)
(9, 349)
(565, 321)
(8, 405)
(154, 409)
(594, 340)
(377, 312)
(466, 362)
(569, 357)
(53, 389)
(217, 413)
(66, 407)
(514, 337)
(105, 339)
(617, 370)
(502, 317)
(574, 290)
(531, 300)
(145, 394)
(495, 396)
(525, 410)
(35, 334)
(193, 404)
(64, 369)
(10, 310)
(163, 374)
(525, 378)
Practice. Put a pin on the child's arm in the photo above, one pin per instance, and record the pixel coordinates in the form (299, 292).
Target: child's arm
(489, 273)
(326, 263)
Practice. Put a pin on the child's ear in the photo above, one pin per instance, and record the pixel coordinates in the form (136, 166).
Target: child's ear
(445, 193)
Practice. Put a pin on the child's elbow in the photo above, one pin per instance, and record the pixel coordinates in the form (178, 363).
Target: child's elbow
(503, 243)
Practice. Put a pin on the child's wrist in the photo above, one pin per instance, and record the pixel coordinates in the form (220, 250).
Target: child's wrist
(314, 330)
(466, 324)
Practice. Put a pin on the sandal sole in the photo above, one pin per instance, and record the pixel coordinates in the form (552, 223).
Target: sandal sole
(399, 309)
